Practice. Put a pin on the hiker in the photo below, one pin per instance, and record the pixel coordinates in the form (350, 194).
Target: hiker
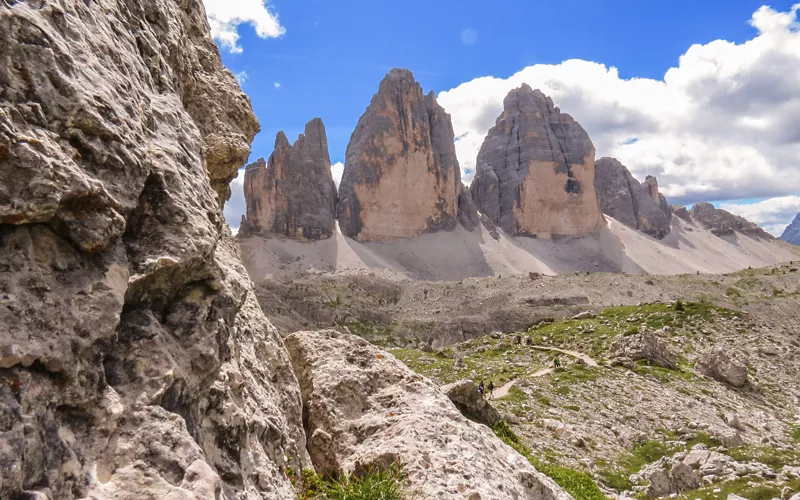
(518, 340)
(491, 389)
(480, 387)
(556, 363)
(529, 341)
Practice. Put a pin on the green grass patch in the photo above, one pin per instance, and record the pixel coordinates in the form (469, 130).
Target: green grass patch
(617, 476)
(374, 484)
(774, 457)
(578, 484)
(745, 487)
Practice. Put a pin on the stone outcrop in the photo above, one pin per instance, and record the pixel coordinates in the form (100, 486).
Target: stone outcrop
(363, 408)
(401, 175)
(681, 212)
(667, 476)
(535, 170)
(293, 195)
(643, 346)
(718, 365)
(621, 196)
(471, 403)
(792, 232)
(723, 223)
(135, 361)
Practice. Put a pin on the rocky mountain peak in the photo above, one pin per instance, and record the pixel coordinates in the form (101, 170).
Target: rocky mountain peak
(293, 195)
(621, 196)
(792, 232)
(723, 223)
(401, 176)
(535, 170)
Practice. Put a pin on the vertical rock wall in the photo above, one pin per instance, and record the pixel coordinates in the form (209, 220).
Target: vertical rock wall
(134, 359)
(535, 170)
(401, 176)
(294, 194)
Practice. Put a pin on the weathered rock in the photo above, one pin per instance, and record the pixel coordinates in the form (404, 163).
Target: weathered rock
(535, 170)
(467, 213)
(621, 196)
(681, 212)
(134, 359)
(401, 175)
(721, 222)
(471, 403)
(644, 346)
(667, 476)
(733, 421)
(364, 408)
(294, 194)
(719, 366)
(792, 232)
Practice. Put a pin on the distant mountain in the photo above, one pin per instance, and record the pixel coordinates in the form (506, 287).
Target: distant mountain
(792, 232)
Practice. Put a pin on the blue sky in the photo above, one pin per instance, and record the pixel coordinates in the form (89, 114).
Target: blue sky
(329, 57)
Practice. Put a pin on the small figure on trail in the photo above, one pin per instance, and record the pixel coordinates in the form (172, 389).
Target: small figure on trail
(480, 387)
(556, 363)
(518, 339)
(529, 341)
(491, 389)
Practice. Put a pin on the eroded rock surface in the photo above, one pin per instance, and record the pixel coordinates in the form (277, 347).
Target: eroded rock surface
(134, 359)
(792, 232)
(723, 223)
(401, 175)
(535, 170)
(718, 365)
(643, 346)
(366, 409)
(471, 403)
(294, 194)
(621, 196)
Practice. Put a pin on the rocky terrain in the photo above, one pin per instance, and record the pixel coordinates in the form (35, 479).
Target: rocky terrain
(293, 195)
(621, 196)
(721, 222)
(535, 170)
(401, 175)
(682, 385)
(792, 232)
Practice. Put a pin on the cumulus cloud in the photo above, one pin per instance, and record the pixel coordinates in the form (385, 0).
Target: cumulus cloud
(241, 77)
(225, 17)
(773, 214)
(277, 85)
(723, 124)
(235, 207)
(337, 169)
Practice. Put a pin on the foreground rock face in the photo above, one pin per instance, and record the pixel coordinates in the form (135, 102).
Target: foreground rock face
(535, 170)
(134, 359)
(723, 223)
(621, 196)
(366, 409)
(792, 232)
(294, 194)
(401, 176)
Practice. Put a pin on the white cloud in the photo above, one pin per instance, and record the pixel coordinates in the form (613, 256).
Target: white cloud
(773, 214)
(277, 85)
(723, 124)
(225, 16)
(235, 207)
(241, 77)
(337, 169)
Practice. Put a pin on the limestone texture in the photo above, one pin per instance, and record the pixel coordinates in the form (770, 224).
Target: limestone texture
(723, 223)
(471, 403)
(293, 195)
(535, 170)
(363, 408)
(643, 347)
(621, 196)
(401, 175)
(135, 361)
(792, 232)
(718, 365)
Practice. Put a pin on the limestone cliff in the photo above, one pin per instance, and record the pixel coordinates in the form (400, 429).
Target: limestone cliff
(792, 232)
(294, 194)
(535, 170)
(722, 223)
(135, 361)
(401, 176)
(621, 196)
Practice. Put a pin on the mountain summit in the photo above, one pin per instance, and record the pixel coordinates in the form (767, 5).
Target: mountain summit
(792, 232)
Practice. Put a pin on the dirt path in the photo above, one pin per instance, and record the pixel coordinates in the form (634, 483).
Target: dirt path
(502, 391)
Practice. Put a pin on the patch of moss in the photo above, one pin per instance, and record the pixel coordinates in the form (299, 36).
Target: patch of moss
(373, 484)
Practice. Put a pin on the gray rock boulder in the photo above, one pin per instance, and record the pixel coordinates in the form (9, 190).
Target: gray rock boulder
(293, 195)
(792, 232)
(471, 403)
(401, 176)
(723, 223)
(364, 408)
(643, 346)
(621, 196)
(667, 476)
(718, 365)
(136, 362)
(681, 212)
(535, 170)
